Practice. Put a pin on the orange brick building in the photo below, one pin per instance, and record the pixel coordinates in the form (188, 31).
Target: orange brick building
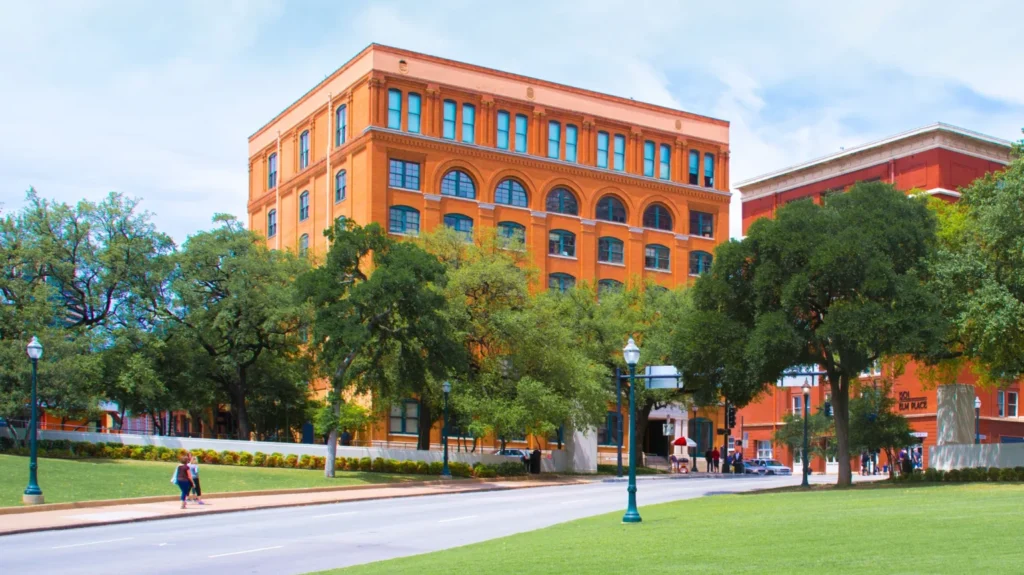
(601, 189)
(935, 160)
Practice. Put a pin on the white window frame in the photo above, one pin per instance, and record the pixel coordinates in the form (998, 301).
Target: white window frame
(1012, 402)
(762, 452)
(798, 405)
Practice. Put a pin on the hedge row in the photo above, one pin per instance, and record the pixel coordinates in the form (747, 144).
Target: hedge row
(964, 475)
(64, 449)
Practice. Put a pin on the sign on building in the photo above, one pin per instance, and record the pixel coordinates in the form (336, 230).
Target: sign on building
(798, 374)
(663, 377)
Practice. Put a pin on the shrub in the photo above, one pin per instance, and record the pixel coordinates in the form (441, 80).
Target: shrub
(275, 460)
(932, 475)
(378, 464)
(340, 463)
(484, 471)
(305, 461)
(245, 458)
(364, 464)
(391, 466)
(259, 459)
(510, 469)
(1006, 474)
(979, 474)
(319, 462)
(436, 467)
(993, 473)
(352, 464)
(422, 467)
(408, 467)
(953, 476)
(227, 457)
(291, 462)
(1020, 473)
(460, 469)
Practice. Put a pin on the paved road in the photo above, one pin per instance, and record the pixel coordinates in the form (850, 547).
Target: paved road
(303, 539)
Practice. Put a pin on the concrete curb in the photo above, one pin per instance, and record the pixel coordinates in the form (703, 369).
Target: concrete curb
(232, 494)
(274, 506)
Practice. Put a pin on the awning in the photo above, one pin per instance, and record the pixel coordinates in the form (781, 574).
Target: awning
(685, 441)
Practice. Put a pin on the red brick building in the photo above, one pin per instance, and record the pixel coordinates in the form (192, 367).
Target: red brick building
(936, 160)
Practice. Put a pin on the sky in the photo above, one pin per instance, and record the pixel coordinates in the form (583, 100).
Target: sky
(156, 100)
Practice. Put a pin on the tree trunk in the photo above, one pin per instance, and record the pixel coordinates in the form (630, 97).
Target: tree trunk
(157, 425)
(332, 437)
(841, 414)
(426, 425)
(238, 401)
(643, 415)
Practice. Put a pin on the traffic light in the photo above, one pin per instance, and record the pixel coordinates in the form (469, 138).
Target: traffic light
(730, 416)
(828, 409)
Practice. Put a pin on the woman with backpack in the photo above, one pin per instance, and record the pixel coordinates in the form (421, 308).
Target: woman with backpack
(182, 477)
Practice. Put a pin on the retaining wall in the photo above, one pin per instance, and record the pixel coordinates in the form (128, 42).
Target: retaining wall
(948, 457)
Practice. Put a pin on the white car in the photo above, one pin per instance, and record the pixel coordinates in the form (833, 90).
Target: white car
(772, 467)
(516, 453)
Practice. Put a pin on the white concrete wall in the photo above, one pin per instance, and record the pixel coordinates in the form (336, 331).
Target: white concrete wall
(581, 451)
(948, 457)
(955, 414)
(299, 449)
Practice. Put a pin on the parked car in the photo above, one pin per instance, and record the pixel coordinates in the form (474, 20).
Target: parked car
(754, 467)
(772, 467)
(516, 453)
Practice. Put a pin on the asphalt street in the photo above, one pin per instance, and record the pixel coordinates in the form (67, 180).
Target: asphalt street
(304, 539)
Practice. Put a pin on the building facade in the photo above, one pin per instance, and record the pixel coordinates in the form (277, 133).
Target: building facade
(936, 160)
(600, 189)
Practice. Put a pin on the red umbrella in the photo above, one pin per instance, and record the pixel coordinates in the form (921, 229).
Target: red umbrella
(684, 441)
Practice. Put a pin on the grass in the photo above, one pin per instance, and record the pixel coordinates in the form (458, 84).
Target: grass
(967, 528)
(65, 480)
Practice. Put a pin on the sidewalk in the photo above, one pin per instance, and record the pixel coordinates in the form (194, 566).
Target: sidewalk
(23, 520)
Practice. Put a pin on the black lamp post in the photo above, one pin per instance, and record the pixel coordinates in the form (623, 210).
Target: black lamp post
(445, 473)
(631, 353)
(977, 420)
(33, 494)
(807, 466)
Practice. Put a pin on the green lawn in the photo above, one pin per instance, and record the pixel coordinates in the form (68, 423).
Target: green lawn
(83, 480)
(970, 528)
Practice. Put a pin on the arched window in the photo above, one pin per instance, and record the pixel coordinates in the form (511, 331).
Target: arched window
(404, 220)
(303, 245)
(656, 257)
(610, 250)
(607, 286)
(271, 223)
(510, 193)
(340, 125)
(700, 262)
(562, 201)
(562, 243)
(303, 205)
(304, 150)
(611, 209)
(461, 224)
(561, 282)
(340, 185)
(512, 235)
(458, 183)
(657, 216)
(272, 171)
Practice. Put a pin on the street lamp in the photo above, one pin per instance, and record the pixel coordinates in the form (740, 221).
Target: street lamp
(33, 494)
(445, 474)
(977, 420)
(631, 353)
(807, 467)
(696, 453)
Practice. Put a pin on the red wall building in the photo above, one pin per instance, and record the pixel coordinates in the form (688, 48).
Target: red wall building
(936, 160)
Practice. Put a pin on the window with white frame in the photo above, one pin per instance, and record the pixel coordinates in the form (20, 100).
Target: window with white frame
(1011, 404)
(798, 405)
(405, 417)
(764, 449)
(1000, 404)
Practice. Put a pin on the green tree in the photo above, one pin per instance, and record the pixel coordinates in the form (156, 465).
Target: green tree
(838, 285)
(820, 432)
(875, 426)
(383, 333)
(234, 298)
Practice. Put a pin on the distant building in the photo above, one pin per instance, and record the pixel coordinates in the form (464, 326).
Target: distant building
(937, 160)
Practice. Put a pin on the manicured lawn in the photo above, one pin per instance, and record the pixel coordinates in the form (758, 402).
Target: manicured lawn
(969, 528)
(83, 480)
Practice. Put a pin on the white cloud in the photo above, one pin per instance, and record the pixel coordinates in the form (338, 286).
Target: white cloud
(159, 102)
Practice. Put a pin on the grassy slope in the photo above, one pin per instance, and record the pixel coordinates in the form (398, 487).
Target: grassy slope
(972, 528)
(84, 480)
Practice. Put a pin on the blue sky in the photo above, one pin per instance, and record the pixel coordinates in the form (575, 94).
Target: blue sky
(157, 100)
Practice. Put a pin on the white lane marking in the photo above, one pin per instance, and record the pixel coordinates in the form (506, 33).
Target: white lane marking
(335, 514)
(457, 519)
(574, 501)
(247, 551)
(92, 543)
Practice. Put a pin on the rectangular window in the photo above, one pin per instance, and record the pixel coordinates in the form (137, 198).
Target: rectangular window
(395, 109)
(1011, 404)
(1000, 406)
(271, 223)
(448, 123)
(570, 143)
(468, 123)
(702, 225)
(404, 220)
(340, 125)
(694, 168)
(709, 170)
(620, 152)
(405, 418)
(521, 127)
(404, 175)
(798, 405)
(304, 150)
(608, 434)
(554, 139)
(272, 171)
(764, 449)
(413, 121)
(503, 120)
(649, 159)
(602, 149)
(665, 162)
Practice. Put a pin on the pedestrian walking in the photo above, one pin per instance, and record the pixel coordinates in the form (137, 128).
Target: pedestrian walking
(197, 491)
(716, 457)
(865, 463)
(182, 477)
(709, 460)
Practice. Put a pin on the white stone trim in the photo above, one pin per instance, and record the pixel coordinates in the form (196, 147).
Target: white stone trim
(432, 197)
